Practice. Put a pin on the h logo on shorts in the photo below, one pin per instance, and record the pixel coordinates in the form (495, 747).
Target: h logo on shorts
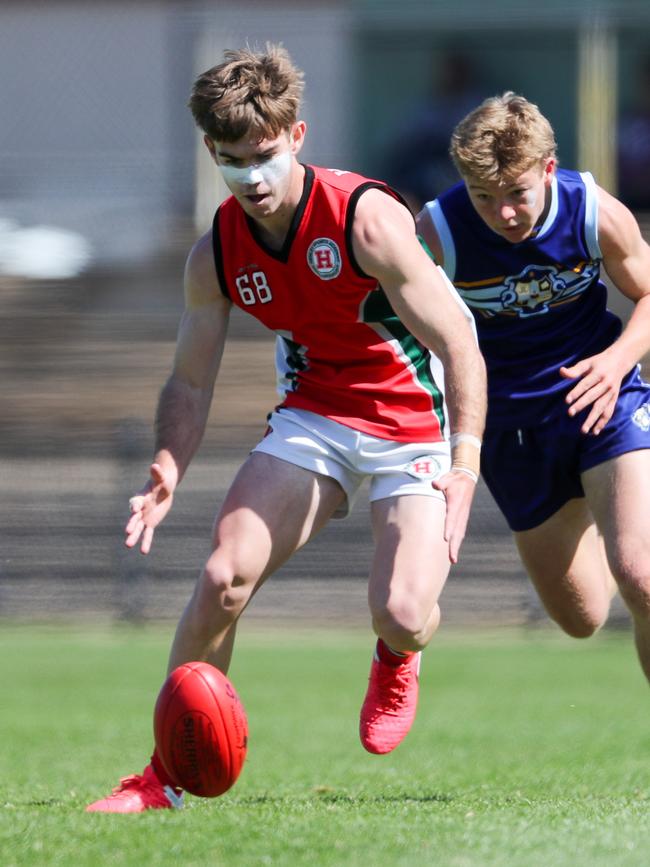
(424, 467)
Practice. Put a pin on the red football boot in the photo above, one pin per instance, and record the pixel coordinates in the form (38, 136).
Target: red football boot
(389, 708)
(137, 793)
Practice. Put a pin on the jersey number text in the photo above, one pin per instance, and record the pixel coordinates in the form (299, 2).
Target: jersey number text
(254, 287)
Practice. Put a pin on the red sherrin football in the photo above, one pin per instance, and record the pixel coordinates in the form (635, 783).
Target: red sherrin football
(200, 729)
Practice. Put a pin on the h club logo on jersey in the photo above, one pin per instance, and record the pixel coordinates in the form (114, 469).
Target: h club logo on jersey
(424, 467)
(324, 258)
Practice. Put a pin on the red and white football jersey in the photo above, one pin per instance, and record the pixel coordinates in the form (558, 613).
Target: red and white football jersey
(341, 352)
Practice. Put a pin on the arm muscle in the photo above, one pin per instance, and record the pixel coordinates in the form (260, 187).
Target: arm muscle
(185, 400)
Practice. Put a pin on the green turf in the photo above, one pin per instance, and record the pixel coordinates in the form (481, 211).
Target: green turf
(528, 749)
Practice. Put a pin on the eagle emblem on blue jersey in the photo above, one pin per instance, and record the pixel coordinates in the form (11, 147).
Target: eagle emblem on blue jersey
(532, 291)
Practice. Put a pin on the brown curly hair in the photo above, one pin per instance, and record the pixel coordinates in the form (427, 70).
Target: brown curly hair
(249, 94)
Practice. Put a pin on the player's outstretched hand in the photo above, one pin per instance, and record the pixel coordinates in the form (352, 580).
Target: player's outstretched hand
(458, 489)
(598, 384)
(149, 506)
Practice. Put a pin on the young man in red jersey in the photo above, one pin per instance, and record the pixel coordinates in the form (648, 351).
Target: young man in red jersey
(329, 261)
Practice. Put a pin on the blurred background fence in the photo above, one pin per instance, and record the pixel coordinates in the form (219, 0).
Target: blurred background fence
(103, 188)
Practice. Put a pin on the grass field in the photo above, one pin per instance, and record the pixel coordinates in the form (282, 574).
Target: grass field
(528, 749)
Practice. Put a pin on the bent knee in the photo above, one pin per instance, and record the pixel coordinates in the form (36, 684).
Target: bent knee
(582, 624)
(634, 587)
(406, 625)
(629, 561)
(221, 588)
(580, 628)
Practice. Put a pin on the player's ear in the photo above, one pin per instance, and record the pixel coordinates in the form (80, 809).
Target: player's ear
(297, 136)
(549, 170)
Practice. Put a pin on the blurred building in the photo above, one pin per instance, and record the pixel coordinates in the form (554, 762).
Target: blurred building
(96, 137)
(416, 161)
(634, 140)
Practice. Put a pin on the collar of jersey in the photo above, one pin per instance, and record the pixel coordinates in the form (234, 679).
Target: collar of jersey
(282, 254)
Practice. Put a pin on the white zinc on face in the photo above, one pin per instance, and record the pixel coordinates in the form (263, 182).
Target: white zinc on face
(268, 172)
(530, 198)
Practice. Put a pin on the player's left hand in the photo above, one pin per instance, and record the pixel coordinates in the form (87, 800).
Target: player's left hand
(598, 384)
(458, 489)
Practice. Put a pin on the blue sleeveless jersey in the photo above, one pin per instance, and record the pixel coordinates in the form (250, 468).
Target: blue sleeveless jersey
(538, 304)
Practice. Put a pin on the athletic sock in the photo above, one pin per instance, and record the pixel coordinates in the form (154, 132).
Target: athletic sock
(161, 773)
(389, 656)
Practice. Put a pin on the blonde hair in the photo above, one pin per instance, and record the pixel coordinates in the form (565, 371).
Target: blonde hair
(501, 139)
(250, 93)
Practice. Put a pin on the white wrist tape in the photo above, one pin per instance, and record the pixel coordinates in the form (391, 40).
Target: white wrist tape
(466, 454)
(456, 438)
(467, 472)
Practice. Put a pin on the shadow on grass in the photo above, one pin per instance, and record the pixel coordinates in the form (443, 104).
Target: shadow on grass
(320, 796)
(332, 797)
(40, 802)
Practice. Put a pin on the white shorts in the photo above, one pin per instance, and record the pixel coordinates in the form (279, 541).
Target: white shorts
(324, 446)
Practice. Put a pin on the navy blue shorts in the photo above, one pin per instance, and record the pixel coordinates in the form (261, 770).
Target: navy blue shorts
(532, 472)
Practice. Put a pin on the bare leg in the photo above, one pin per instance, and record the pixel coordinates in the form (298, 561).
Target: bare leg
(409, 570)
(271, 510)
(617, 494)
(565, 559)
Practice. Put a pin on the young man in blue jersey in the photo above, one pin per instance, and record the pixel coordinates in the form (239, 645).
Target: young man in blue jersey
(566, 452)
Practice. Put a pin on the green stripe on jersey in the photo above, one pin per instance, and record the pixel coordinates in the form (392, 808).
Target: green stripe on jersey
(426, 248)
(376, 310)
